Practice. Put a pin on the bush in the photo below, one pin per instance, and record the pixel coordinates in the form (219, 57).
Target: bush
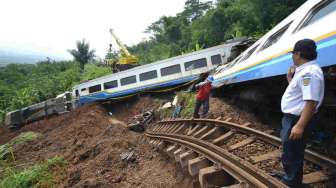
(37, 176)
(92, 71)
(189, 103)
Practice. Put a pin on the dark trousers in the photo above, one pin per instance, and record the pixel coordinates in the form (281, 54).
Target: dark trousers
(199, 103)
(293, 150)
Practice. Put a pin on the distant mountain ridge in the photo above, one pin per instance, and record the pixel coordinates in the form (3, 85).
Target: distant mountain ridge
(7, 57)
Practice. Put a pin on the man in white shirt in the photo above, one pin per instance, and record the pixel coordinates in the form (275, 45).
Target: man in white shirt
(300, 103)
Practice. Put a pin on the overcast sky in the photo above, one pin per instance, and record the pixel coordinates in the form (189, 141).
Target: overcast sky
(53, 26)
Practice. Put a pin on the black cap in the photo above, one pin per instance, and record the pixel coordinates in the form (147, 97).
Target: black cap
(307, 49)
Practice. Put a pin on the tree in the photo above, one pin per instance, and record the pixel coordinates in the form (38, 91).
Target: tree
(208, 23)
(194, 9)
(82, 54)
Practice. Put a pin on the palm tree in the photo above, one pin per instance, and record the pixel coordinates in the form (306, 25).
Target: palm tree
(82, 54)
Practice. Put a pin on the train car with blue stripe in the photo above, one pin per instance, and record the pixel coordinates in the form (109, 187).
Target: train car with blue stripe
(166, 73)
(258, 72)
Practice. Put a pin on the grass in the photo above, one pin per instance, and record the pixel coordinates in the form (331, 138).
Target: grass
(6, 150)
(189, 104)
(37, 176)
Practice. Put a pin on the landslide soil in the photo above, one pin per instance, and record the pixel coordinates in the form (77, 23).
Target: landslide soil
(92, 141)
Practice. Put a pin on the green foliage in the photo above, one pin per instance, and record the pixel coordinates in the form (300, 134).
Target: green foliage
(93, 71)
(7, 149)
(209, 25)
(188, 99)
(68, 78)
(40, 175)
(189, 104)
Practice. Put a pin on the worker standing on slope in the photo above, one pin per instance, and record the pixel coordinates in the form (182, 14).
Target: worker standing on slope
(299, 104)
(202, 96)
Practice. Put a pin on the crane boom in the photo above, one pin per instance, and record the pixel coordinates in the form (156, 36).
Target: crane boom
(125, 61)
(120, 44)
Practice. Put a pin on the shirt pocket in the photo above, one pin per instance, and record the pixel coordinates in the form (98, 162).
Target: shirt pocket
(294, 87)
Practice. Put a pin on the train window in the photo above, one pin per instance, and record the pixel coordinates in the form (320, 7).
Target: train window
(128, 80)
(76, 93)
(95, 88)
(148, 75)
(275, 37)
(318, 12)
(216, 59)
(248, 54)
(83, 89)
(199, 63)
(171, 70)
(111, 84)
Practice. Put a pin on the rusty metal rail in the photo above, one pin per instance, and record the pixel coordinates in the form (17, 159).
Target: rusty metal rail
(310, 155)
(241, 170)
(208, 138)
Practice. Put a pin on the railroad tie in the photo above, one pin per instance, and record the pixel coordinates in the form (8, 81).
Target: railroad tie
(315, 177)
(228, 119)
(192, 130)
(177, 127)
(201, 131)
(270, 155)
(170, 128)
(181, 129)
(220, 140)
(171, 149)
(210, 133)
(245, 142)
(177, 154)
(213, 176)
(194, 165)
(160, 145)
(185, 157)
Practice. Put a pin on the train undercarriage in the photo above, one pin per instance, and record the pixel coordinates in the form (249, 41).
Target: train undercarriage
(263, 97)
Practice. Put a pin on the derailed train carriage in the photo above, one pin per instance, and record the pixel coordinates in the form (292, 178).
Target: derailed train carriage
(258, 74)
(161, 74)
(16, 119)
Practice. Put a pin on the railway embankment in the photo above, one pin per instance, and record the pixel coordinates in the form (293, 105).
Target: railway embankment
(93, 144)
(92, 147)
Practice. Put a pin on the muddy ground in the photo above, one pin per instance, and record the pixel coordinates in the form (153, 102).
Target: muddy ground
(92, 139)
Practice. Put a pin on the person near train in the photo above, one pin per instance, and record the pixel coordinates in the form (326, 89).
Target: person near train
(202, 97)
(299, 104)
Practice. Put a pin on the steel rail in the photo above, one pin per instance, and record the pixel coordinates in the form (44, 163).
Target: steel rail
(310, 155)
(233, 165)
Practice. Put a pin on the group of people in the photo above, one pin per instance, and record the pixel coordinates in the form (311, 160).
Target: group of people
(299, 104)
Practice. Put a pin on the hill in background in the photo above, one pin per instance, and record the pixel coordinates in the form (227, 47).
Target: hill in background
(7, 57)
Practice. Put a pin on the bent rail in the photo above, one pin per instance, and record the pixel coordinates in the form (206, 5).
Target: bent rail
(220, 141)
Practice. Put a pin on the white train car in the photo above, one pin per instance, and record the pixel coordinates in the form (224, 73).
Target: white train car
(270, 56)
(166, 73)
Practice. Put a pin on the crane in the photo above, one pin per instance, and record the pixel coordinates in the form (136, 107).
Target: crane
(125, 57)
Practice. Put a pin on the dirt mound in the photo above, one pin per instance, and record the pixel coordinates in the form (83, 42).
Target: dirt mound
(93, 142)
(133, 107)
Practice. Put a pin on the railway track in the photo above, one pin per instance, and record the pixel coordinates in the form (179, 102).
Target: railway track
(222, 153)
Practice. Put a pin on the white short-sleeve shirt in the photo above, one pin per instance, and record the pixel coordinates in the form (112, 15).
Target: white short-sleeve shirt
(307, 84)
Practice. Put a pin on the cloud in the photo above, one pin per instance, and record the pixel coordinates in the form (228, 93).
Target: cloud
(53, 26)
